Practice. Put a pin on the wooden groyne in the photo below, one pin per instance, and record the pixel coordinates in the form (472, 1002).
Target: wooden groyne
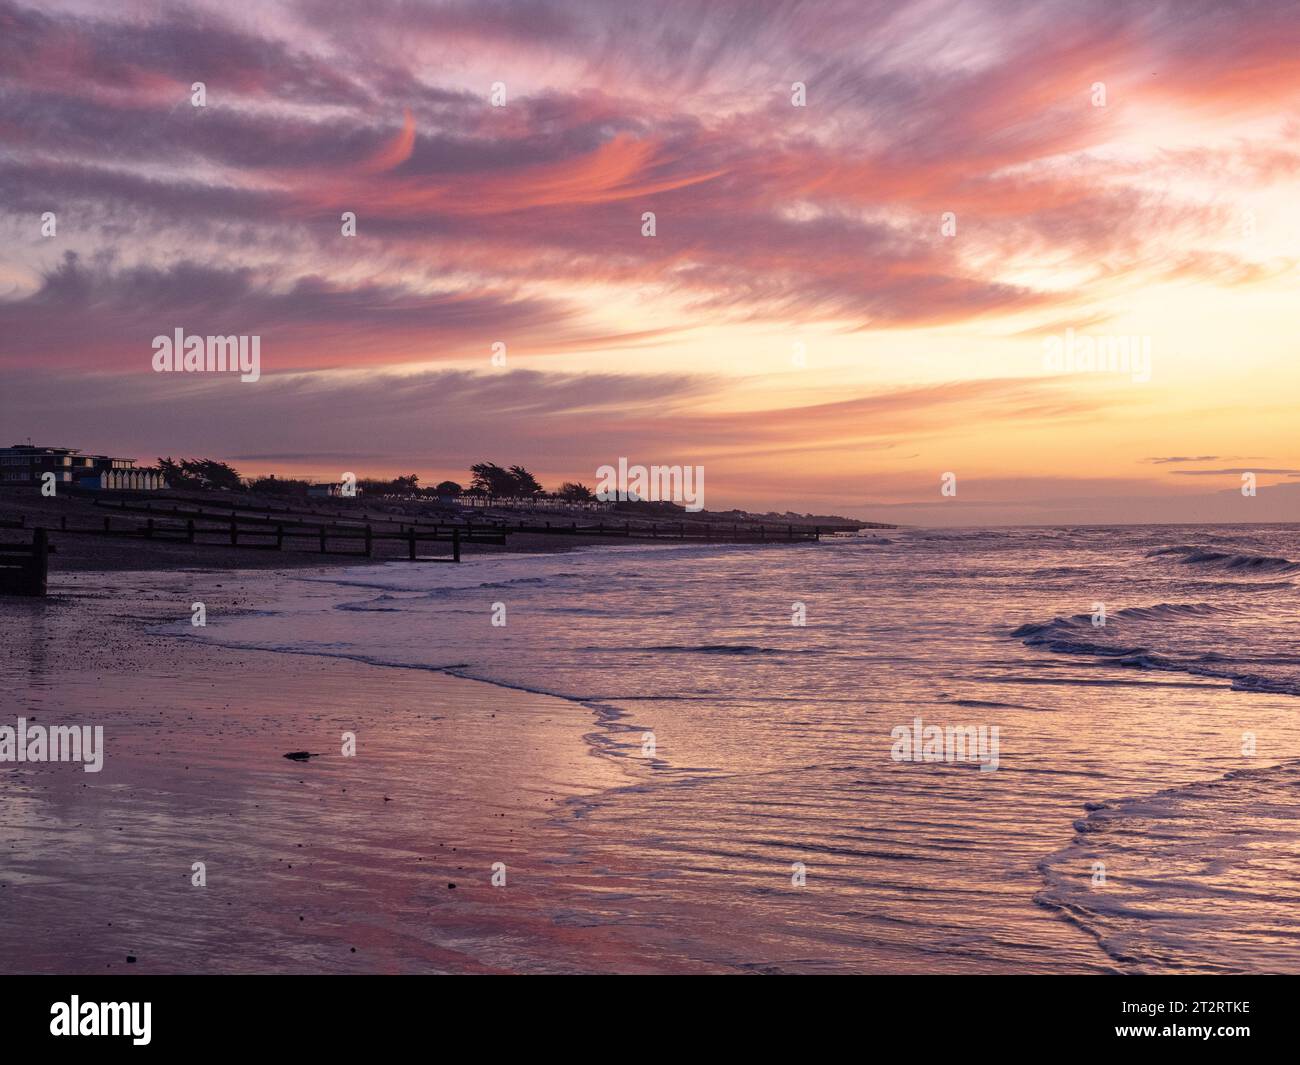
(251, 534)
(471, 529)
(24, 568)
(362, 535)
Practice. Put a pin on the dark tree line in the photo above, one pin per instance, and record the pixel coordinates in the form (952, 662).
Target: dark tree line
(487, 478)
(199, 473)
(490, 479)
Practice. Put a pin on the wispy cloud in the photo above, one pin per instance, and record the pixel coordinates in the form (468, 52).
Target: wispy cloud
(523, 223)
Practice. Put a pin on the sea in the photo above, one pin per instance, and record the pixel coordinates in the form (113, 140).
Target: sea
(971, 750)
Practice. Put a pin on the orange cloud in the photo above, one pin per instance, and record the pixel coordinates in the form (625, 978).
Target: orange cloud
(395, 152)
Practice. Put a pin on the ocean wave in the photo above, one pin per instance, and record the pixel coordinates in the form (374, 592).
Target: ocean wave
(724, 649)
(1125, 642)
(993, 704)
(1043, 632)
(956, 535)
(1060, 571)
(1195, 878)
(1190, 555)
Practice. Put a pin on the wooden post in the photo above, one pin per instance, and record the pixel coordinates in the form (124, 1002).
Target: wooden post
(63, 522)
(148, 529)
(106, 521)
(817, 533)
(790, 532)
(410, 541)
(234, 533)
(370, 547)
(189, 531)
(322, 539)
(40, 562)
(455, 545)
(279, 537)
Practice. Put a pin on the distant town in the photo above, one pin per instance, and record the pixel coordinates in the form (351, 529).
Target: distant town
(26, 465)
(489, 485)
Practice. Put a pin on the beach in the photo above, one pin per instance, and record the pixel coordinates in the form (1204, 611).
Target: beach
(662, 770)
(329, 865)
(768, 489)
(94, 553)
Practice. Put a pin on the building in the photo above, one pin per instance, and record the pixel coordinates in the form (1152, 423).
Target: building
(539, 502)
(142, 479)
(325, 489)
(25, 465)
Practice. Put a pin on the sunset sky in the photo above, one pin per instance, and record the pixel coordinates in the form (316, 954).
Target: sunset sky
(802, 323)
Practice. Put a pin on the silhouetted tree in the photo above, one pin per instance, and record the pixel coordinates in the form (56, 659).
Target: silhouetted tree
(278, 486)
(525, 483)
(173, 474)
(200, 473)
(214, 474)
(576, 492)
(492, 479)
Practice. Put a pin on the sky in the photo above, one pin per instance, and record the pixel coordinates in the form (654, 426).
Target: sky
(889, 242)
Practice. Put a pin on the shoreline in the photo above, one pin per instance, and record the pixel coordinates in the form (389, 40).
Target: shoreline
(333, 864)
(304, 861)
(615, 862)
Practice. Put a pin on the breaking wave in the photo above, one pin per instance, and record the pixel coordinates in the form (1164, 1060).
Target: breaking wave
(1199, 878)
(1227, 560)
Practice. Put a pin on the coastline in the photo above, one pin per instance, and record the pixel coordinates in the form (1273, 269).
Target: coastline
(335, 864)
(479, 745)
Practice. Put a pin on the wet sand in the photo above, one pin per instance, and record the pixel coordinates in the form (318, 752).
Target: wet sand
(335, 864)
(617, 862)
(345, 864)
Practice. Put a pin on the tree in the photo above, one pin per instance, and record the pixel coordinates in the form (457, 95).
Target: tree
(278, 486)
(525, 483)
(447, 488)
(214, 474)
(173, 474)
(200, 473)
(398, 486)
(576, 492)
(493, 480)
